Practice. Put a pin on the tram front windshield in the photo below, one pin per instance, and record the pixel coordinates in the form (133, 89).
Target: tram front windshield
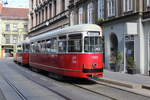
(93, 44)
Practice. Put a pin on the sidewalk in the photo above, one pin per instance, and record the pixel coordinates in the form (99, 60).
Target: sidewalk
(135, 78)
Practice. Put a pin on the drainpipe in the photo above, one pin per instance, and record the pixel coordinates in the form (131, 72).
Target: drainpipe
(124, 54)
(148, 54)
(141, 44)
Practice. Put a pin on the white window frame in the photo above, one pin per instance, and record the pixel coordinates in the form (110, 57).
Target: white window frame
(128, 5)
(90, 13)
(111, 4)
(72, 18)
(100, 9)
(148, 3)
(15, 27)
(80, 15)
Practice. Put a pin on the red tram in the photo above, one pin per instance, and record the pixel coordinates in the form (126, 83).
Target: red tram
(22, 53)
(75, 51)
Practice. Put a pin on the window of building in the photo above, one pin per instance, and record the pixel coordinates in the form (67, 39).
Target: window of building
(55, 9)
(128, 5)
(39, 2)
(7, 27)
(81, 15)
(46, 13)
(39, 17)
(32, 4)
(90, 14)
(36, 19)
(15, 38)
(43, 15)
(72, 18)
(148, 3)
(111, 4)
(15, 27)
(63, 5)
(50, 10)
(31, 20)
(101, 9)
(7, 38)
(26, 28)
(36, 2)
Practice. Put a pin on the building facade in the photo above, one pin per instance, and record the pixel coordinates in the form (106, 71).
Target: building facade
(125, 26)
(83, 11)
(13, 28)
(47, 15)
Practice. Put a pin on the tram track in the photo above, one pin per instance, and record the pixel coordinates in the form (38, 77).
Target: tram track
(81, 87)
(65, 97)
(42, 85)
(22, 97)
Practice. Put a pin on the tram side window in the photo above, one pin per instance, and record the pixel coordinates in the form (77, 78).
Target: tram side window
(43, 46)
(54, 45)
(36, 48)
(32, 48)
(39, 47)
(19, 49)
(75, 43)
(26, 47)
(62, 44)
(48, 45)
(51, 45)
(93, 44)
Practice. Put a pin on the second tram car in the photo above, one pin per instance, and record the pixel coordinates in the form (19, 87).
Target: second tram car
(75, 51)
(22, 52)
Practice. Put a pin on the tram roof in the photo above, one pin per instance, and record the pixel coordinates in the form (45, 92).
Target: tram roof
(25, 41)
(71, 29)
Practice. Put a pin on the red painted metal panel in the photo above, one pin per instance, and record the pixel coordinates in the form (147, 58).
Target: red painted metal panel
(68, 64)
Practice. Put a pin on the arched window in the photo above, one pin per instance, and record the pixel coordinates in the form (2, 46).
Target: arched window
(72, 18)
(101, 9)
(128, 5)
(80, 15)
(90, 13)
(111, 4)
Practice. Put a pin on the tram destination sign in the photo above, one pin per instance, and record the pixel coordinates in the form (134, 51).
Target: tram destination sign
(93, 33)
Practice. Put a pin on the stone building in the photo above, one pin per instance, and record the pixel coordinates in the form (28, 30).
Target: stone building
(125, 26)
(13, 28)
(47, 15)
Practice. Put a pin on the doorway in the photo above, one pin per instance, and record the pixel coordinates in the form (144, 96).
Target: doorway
(113, 50)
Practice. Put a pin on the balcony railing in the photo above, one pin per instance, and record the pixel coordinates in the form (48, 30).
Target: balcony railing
(73, 3)
(50, 21)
